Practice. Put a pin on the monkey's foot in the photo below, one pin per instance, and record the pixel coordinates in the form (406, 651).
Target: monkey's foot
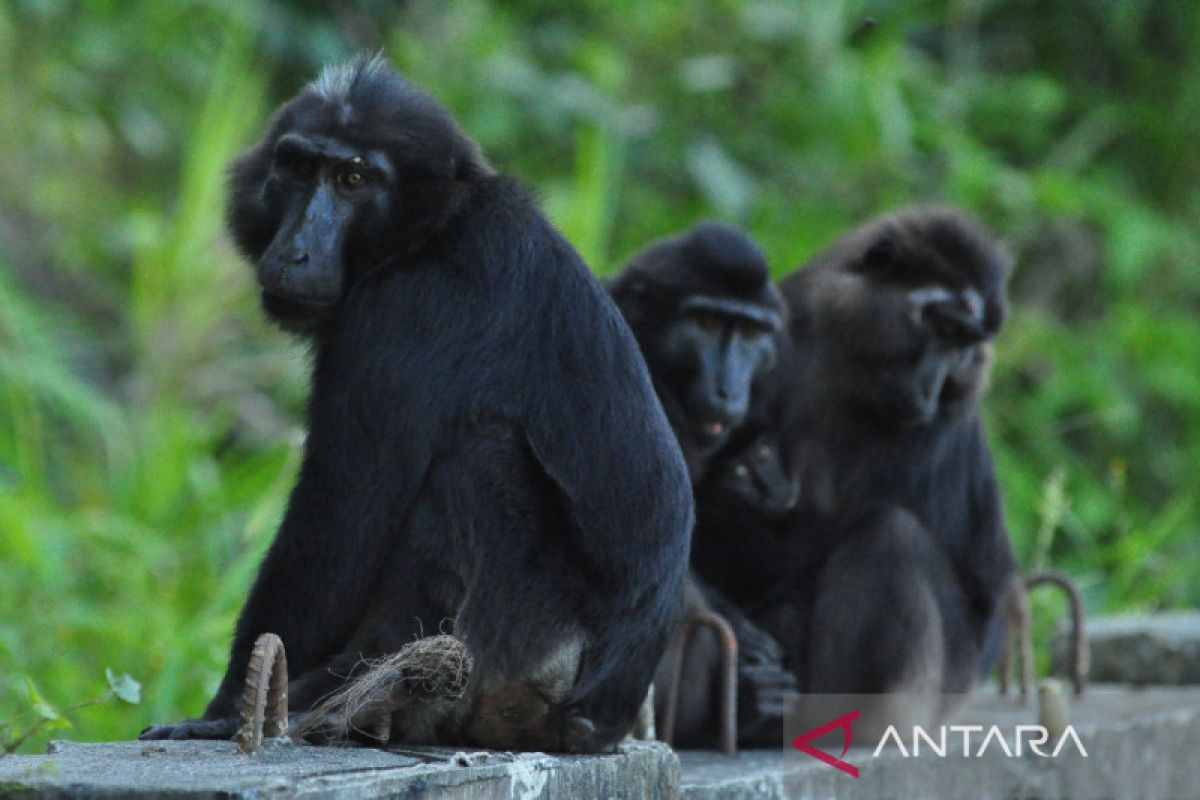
(193, 729)
(579, 735)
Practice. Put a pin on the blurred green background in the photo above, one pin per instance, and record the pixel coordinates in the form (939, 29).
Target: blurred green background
(150, 421)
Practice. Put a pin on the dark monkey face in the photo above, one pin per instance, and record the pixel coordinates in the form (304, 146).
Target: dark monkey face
(908, 317)
(351, 175)
(321, 189)
(706, 316)
(757, 475)
(712, 352)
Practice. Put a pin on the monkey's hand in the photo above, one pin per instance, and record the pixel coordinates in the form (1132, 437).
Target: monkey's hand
(193, 729)
(756, 647)
(763, 692)
(764, 687)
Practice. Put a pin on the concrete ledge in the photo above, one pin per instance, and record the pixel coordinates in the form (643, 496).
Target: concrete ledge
(1160, 649)
(214, 770)
(1139, 743)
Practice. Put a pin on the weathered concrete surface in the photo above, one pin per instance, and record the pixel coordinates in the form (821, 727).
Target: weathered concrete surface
(1139, 744)
(1143, 650)
(215, 770)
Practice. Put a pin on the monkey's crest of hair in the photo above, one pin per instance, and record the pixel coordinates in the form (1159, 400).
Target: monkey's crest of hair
(371, 102)
(370, 88)
(727, 255)
(717, 259)
(959, 237)
(338, 82)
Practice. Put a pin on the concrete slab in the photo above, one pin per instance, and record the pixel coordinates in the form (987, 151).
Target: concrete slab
(1143, 649)
(1138, 743)
(215, 770)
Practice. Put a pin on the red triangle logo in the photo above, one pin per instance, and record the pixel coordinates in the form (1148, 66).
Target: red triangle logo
(844, 722)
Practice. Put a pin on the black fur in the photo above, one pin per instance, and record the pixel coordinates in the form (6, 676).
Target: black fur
(485, 453)
(888, 575)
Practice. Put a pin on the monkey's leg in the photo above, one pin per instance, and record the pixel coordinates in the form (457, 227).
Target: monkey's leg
(516, 597)
(878, 628)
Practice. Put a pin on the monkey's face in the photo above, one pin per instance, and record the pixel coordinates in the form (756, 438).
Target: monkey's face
(905, 327)
(351, 175)
(709, 356)
(321, 190)
(707, 318)
(758, 476)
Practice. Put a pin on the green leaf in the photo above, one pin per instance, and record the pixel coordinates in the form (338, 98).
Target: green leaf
(39, 704)
(125, 687)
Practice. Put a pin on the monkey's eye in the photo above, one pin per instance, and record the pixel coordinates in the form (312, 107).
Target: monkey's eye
(351, 177)
(709, 322)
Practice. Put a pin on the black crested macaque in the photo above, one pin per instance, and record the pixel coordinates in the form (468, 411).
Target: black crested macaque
(707, 318)
(486, 456)
(900, 554)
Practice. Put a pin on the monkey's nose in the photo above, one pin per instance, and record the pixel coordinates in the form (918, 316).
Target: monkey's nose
(957, 320)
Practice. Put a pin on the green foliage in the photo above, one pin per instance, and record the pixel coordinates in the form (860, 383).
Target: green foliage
(150, 421)
(46, 718)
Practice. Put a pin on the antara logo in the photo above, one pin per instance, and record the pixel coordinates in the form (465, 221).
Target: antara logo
(845, 722)
(1035, 737)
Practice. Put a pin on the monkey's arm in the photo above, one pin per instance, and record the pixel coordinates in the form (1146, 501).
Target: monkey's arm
(994, 562)
(607, 445)
(629, 537)
(986, 565)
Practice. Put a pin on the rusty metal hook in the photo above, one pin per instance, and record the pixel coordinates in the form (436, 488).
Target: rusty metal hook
(1080, 649)
(1020, 629)
(728, 681)
(264, 700)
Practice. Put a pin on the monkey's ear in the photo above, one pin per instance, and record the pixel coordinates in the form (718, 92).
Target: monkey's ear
(880, 256)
